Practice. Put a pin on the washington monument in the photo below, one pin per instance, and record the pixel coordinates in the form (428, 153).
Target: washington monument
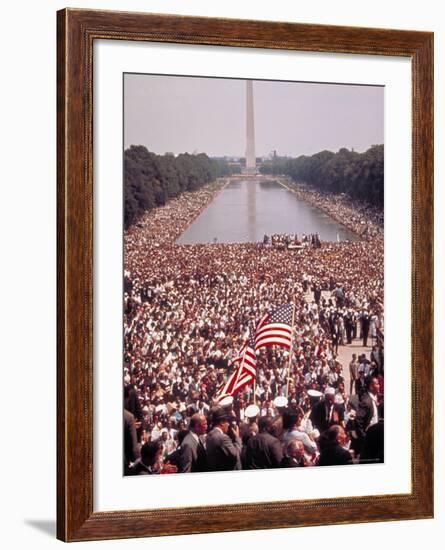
(250, 131)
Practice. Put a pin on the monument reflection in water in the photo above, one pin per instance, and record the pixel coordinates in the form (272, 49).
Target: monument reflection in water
(245, 211)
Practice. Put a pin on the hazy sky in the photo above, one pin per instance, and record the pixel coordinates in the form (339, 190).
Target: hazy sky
(179, 114)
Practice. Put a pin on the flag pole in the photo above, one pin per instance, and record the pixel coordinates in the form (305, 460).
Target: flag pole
(254, 380)
(240, 367)
(291, 347)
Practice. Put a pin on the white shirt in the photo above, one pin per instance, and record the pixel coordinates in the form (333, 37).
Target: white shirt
(375, 413)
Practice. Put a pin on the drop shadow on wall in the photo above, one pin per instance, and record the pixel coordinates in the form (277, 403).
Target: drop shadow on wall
(47, 526)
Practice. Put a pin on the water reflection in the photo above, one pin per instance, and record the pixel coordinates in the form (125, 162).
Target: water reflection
(251, 207)
(246, 210)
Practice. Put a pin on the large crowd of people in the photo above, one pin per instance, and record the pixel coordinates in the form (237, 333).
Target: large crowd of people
(189, 308)
(292, 241)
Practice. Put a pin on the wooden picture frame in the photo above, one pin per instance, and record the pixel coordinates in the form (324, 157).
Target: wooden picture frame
(77, 31)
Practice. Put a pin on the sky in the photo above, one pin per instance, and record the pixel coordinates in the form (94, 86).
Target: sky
(180, 114)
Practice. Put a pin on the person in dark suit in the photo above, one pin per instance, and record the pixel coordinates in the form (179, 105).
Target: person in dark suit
(326, 412)
(373, 447)
(132, 404)
(365, 322)
(263, 450)
(148, 464)
(348, 321)
(317, 294)
(223, 444)
(332, 452)
(131, 446)
(368, 413)
(294, 456)
(192, 456)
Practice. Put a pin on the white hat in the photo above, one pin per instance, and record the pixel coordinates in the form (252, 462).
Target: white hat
(252, 411)
(329, 391)
(226, 401)
(314, 393)
(280, 401)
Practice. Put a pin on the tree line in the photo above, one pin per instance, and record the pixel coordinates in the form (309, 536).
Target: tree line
(150, 180)
(359, 175)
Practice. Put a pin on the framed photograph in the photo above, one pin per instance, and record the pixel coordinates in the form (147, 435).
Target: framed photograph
(245, 260)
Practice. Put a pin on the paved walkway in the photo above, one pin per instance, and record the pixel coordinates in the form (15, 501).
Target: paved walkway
(345, 352)
(345, 357)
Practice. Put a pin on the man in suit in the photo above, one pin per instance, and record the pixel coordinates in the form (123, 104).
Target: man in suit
(368, 409)
(326, 412)
(148, 464)
(332, 452)
(348, 320)
(373, 446)
(353, 373)
(317, 294)
(223, 442)
(365, 321)
(133, 405)
(193, 457)
(294, 456)
(131, 446)
(264, 450)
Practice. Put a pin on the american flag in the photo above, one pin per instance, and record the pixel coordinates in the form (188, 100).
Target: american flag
(275, 328)
(245, 372)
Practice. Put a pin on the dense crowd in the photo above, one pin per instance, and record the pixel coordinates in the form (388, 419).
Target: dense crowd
(188, 309)
(292, 240)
